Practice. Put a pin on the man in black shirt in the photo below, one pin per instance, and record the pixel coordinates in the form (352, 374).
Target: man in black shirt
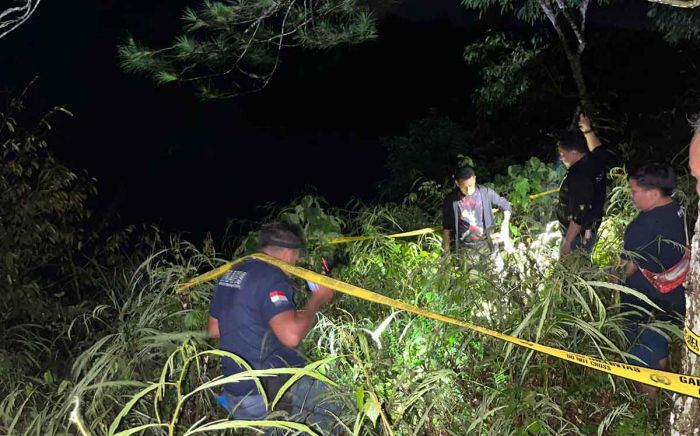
(582, 193)
(657, 263)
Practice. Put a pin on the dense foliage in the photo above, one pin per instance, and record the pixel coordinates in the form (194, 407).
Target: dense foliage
(96, 338)
(138, 357)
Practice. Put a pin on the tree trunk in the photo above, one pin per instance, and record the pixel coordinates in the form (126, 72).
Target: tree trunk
(572, 49)
(577, 72)
(685, 416)
(13, 17)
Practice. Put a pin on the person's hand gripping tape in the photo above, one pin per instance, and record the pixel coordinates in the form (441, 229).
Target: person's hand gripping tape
(313, 287)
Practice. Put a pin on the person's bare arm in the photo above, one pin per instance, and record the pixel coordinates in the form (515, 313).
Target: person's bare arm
(213, 328)
(630, 268)
(446, 240)
(571, 232)
(592, 140)
(291, 327)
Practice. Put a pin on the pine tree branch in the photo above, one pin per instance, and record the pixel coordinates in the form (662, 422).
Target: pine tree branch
(240, 47)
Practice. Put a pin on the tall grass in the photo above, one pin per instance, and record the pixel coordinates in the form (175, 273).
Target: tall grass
(141, 362)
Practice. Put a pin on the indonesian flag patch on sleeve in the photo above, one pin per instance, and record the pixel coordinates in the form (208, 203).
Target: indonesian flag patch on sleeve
(278, 297)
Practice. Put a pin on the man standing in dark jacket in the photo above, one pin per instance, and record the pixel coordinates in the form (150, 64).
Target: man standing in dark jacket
(467, 215)
(583, 191)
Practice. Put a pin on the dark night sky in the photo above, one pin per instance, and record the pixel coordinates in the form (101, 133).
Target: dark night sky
(161, 156)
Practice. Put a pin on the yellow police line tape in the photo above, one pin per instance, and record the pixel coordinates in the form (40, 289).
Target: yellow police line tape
(692, 340)
(211, 275)
(344, 239)
(543, 194)
(679, 383)
(678, 3)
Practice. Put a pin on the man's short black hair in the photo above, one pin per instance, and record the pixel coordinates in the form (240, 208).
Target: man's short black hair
(655, 176)
(572, 141)
(280, 234)
(464, 173)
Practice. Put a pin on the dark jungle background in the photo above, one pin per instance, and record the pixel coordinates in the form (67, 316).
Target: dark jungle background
(144, 143)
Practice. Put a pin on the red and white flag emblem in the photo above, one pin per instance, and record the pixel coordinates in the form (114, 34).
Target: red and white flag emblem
(278, 297)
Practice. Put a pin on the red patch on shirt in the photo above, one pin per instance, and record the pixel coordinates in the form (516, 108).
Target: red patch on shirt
(278, 297)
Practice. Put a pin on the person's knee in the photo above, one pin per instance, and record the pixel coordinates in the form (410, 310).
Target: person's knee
(244, 407)
(651, 348)
(313, 398)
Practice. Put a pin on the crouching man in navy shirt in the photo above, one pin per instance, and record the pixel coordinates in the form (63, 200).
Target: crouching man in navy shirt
(253, 315)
